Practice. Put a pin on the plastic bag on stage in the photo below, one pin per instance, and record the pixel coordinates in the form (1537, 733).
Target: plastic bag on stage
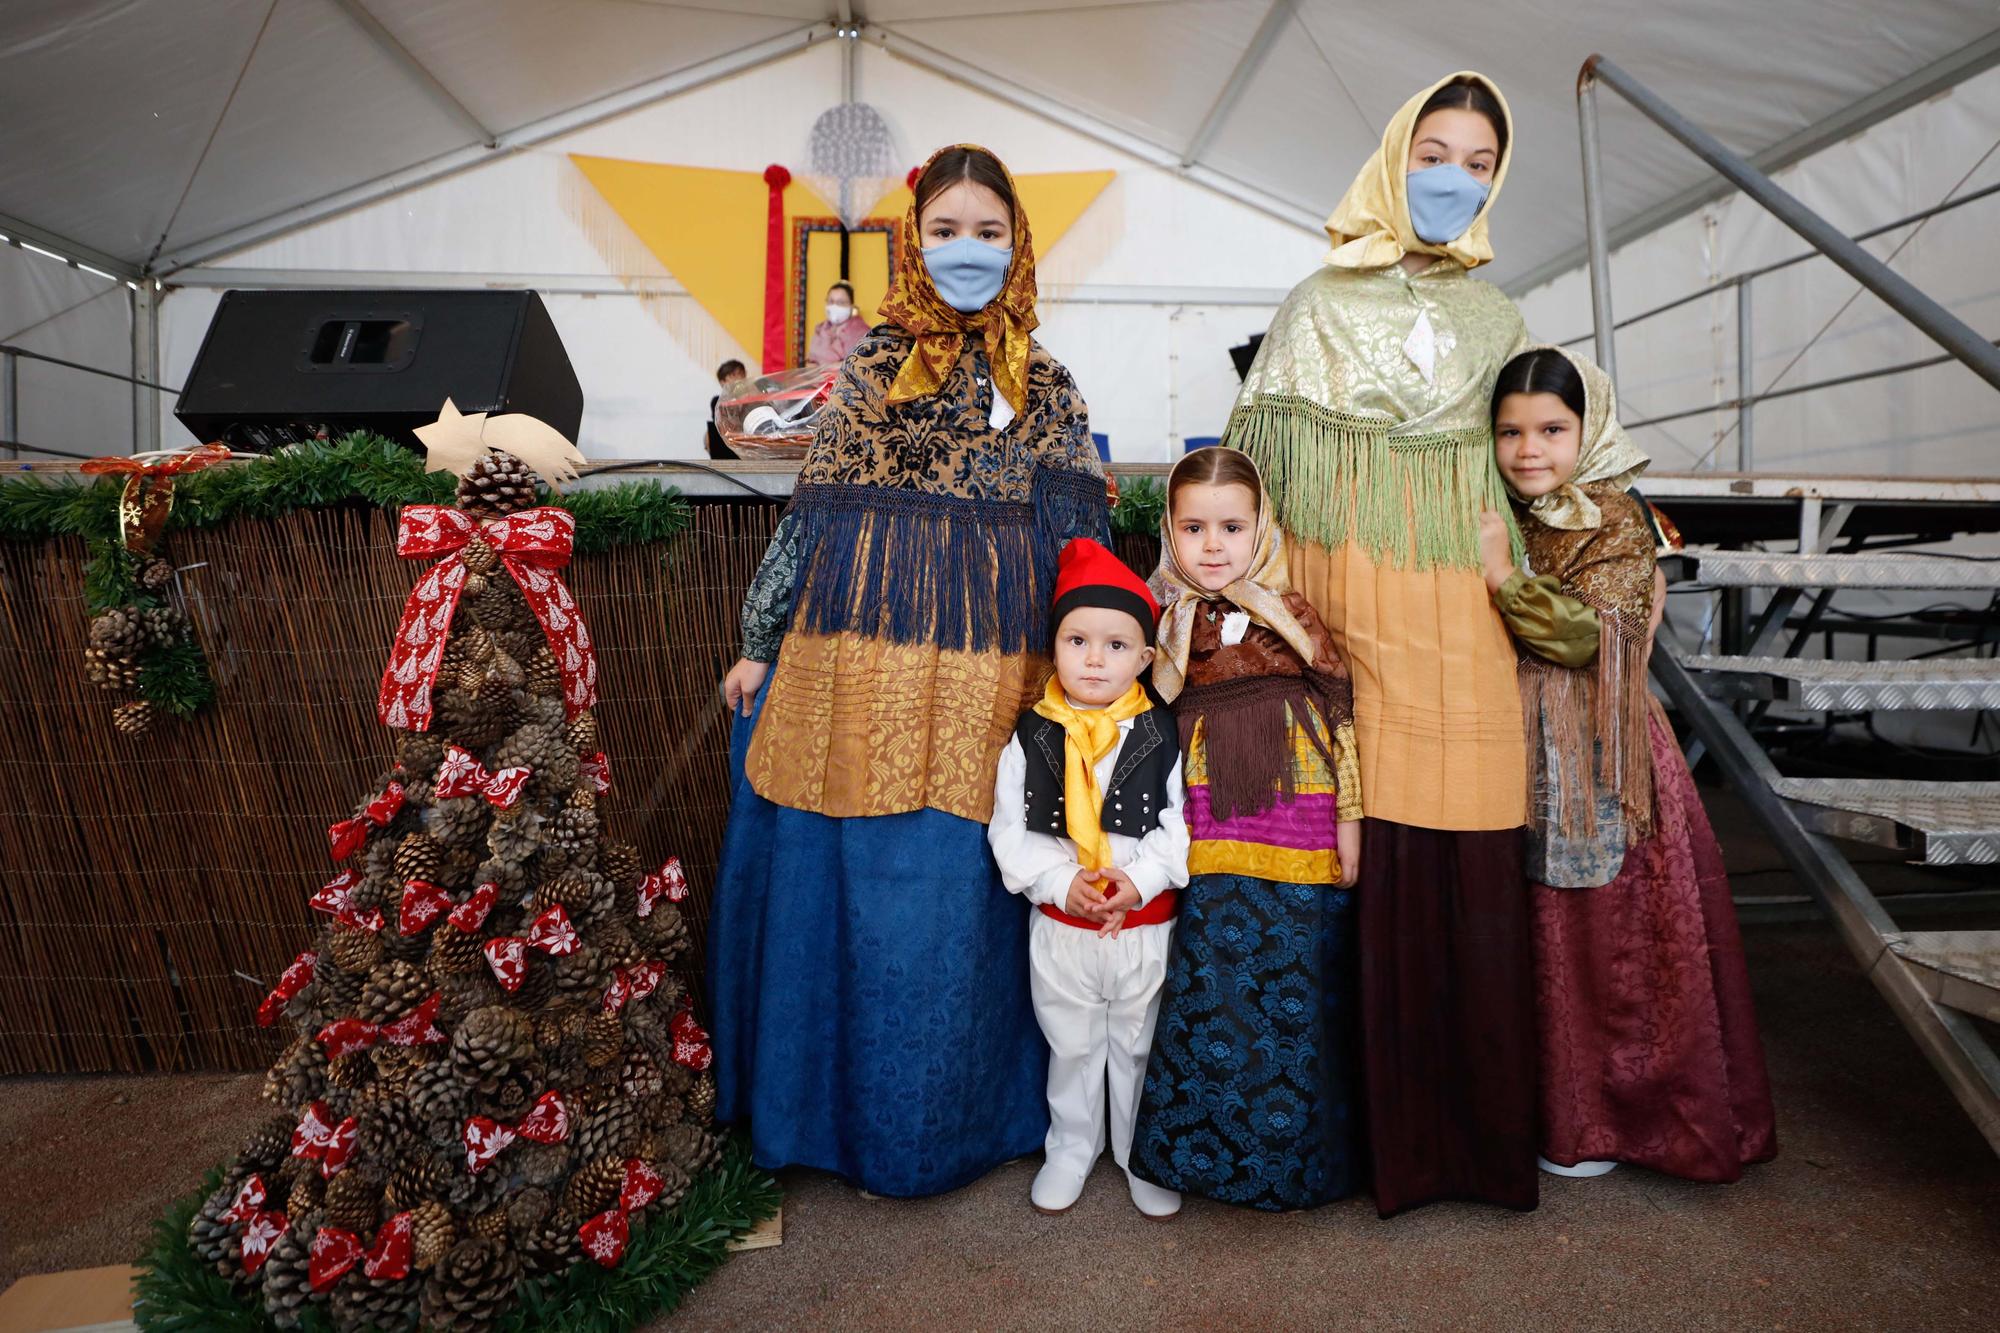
(774, 416)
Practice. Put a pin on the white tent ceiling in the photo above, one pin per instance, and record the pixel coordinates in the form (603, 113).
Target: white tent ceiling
(145, 135)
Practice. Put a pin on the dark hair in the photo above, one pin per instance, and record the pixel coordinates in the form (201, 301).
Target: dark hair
(1543, 370)
(728, 368)
(965, 164)
(1469, 94)
(1214, 466)
(842, 286)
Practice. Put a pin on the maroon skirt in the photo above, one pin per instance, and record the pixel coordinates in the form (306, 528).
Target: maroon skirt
(1649, 1048)
(1448, 1028)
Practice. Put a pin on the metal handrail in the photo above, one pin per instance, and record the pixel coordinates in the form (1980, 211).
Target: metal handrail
(8, 349)
(1944, 328)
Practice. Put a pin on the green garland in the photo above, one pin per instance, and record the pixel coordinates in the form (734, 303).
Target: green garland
(1141, 504)
(668, 1255)
(358, 468)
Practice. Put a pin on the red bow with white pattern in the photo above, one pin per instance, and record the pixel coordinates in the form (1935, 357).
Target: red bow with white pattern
(596, 768)
(345, 837)
(318, 1137)
(260, 1229)
(669, 882)
(691, 1046)
(336, 899)
(470, 915)
(546, 1122)
(604, 1237)
(530, 545)
(295, 979)
(423, 903)
(632, 983)
(551, 932)
(416, 1028)
(334, 1252)
(461, 774)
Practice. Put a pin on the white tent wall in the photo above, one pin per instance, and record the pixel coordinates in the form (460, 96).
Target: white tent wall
(1142, 299)
(48, 307)
(1937, 422)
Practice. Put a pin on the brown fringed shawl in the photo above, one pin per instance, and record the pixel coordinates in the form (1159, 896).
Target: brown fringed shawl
(1598, 709)
(1252, 698)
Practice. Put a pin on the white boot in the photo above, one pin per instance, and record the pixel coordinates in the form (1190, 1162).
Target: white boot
(1155, 1201)
(1056, 1188)
(1581, 1171)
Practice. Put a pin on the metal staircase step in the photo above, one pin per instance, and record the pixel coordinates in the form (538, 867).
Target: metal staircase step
(1959, 968)
(1861, 569)
(1938, 683)
(1938, 823)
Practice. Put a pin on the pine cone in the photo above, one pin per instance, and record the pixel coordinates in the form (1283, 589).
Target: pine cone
(489, 1043)
(163, 626)
(471, 1287)
(287, 1276)
(603, 1040)
(663, 931)
(215, 1242)
(514, 835)
(611, 1131)
(553, 1245)
(135, 718)
(497, 484)
(500, 607)
(352, 1203)
(156, 574)
(419, 752)
(119, 633)
(299, 1076)
(419, 856)
(701, 1101)
(307, 1193)
(574, 830)
(510, 877)
(663, 1110)
(616, 942)
(595, 1186)
(351, 1072)
(544, 675)
(544, 1164)
(110, 673)
(424, 1177)
(639, 1076)
(690, 1147)
(388, 1133)
(538, 986)
(377, 893)
(581, 976)
(490, 1225)
(433, 1232)
(361, 1303)
(268, 1148)
(674, 1187)
(459, 822)
(355, 951)
(393, 989)
(453, 952)
(526, 1211)
(463, 992)
(619, 862)
(440, 1101)
(569, 890)
(582, 733)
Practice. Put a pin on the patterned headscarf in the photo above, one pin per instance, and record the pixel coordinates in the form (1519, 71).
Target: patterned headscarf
(1003, 326)
(1370, 228)
(1261, 592)
(1606, 453)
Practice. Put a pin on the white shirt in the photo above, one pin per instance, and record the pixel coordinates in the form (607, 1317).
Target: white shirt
(1041, 866)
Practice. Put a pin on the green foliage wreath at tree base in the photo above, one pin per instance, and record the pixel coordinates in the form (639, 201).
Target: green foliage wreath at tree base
(669, 1254)
(356, 469)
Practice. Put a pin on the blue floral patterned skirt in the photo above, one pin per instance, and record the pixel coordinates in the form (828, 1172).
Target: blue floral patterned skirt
(869, 986)
(1249, 1094)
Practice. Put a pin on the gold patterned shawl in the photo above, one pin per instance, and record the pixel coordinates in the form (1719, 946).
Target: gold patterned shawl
(1370, 228)
(913, 304)
(1260, 592)
(1606, 453)
(1598, 709)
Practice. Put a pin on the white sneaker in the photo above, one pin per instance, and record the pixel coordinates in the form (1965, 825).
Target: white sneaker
(1056, 1188)
(1155, 1201)
(1581, 1171)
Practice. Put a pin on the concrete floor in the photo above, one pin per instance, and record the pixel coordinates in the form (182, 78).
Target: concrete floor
(1881, 1212)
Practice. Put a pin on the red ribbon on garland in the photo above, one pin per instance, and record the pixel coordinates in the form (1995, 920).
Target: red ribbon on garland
(531, 545)
(776, 178)
(149, 489)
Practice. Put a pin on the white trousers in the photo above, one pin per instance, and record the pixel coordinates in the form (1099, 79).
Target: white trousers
(1096, 1000)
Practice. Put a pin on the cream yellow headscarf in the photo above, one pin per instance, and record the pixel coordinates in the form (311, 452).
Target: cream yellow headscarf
(1261, 592)
(1606, 453)
(1371, 226)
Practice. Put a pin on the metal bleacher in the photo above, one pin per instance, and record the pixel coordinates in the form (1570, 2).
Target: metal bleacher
(1834, 538)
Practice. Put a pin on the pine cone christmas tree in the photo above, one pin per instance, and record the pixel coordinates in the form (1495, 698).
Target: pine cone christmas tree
(287, 1276)
(470, 1286)
(497, 485)
(362, 1303)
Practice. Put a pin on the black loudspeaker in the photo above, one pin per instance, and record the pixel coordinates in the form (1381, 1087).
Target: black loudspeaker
(1244, 353)
(278, 367)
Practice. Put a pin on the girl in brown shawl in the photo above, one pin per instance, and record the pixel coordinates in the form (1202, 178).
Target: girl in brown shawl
(1649, 1049)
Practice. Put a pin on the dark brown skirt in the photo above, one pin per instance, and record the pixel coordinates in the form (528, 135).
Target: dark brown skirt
(1447, 1014)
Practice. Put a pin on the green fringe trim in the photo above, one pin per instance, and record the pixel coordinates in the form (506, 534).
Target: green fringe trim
(1410, 501)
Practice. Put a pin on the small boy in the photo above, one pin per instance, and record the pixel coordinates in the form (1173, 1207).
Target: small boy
(1087, 824)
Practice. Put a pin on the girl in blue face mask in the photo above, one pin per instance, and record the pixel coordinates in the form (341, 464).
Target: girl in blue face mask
(1455, 153)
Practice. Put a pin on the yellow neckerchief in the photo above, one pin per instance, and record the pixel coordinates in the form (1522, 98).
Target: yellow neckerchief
(1370, 227)
(913, 305)
(1088, 735)
(1605, 454)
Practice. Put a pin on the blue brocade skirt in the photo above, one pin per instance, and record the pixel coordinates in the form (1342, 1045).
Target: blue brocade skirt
(868, 981)
(1250, 1092)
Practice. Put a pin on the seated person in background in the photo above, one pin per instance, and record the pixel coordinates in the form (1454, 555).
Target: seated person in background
(728, 375)
(840, 332)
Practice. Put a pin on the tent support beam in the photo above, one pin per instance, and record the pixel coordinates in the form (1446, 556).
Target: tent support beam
(418, 72)
(145, 366)
(1906, 92)
(958, 71)
(1240, 79)
(15, 229)
(513, 141)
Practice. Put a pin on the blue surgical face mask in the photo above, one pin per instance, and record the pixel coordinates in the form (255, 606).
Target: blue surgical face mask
(967, 272)
(1444, 200)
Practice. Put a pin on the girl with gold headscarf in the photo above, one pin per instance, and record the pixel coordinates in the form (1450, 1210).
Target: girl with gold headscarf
(1649, 1048)
(1367, 409)
(868, 969)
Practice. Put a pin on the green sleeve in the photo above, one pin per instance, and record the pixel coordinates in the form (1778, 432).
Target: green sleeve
(767, 610)
(1549, 624)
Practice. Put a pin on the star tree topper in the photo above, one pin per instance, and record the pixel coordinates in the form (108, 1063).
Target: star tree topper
(455, 443)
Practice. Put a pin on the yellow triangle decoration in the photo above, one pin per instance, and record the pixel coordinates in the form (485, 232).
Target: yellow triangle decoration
(707, 226)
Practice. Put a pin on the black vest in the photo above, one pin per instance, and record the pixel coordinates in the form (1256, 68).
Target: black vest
(1151, 751)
